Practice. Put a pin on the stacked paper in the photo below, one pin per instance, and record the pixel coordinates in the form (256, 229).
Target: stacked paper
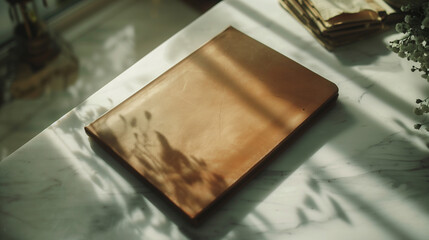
(338, 22)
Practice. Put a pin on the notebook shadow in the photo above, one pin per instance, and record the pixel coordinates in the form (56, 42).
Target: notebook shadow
(223, 216)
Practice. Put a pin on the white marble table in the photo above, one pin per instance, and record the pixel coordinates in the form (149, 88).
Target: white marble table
(360, 172)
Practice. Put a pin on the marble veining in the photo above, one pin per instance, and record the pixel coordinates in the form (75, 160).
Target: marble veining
(360, 172)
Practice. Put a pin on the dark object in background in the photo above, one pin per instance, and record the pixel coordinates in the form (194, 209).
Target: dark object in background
(42, 61)
(37, 46)
(201, 5)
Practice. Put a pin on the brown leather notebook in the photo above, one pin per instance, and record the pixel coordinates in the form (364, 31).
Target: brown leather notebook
(200, 128)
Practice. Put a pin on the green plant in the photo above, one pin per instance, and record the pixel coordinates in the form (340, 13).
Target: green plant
(414, 46)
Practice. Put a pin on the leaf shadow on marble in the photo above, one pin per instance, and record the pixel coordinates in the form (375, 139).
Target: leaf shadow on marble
(60, 190)
(167, 152)
(224, 221)
(400, 167)
(123, 204)
(227, 222)
(318, 205)
(344, 54)
(413, 165)
(421, 134)
(185, 179)
(223, 218)
(112, 213)
(282, 163)
(219, 225)
(339, 210)
(310, 203)
(243, 203)
(314, 185)
(394, 158)
(303, 219)
(377, 163)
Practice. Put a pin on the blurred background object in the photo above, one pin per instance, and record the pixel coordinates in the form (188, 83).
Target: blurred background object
(104, 36)
(40, 60)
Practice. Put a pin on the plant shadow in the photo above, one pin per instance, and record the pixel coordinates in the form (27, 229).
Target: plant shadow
(221, 218)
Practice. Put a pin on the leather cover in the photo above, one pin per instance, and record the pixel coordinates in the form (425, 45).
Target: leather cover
(205, 124)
